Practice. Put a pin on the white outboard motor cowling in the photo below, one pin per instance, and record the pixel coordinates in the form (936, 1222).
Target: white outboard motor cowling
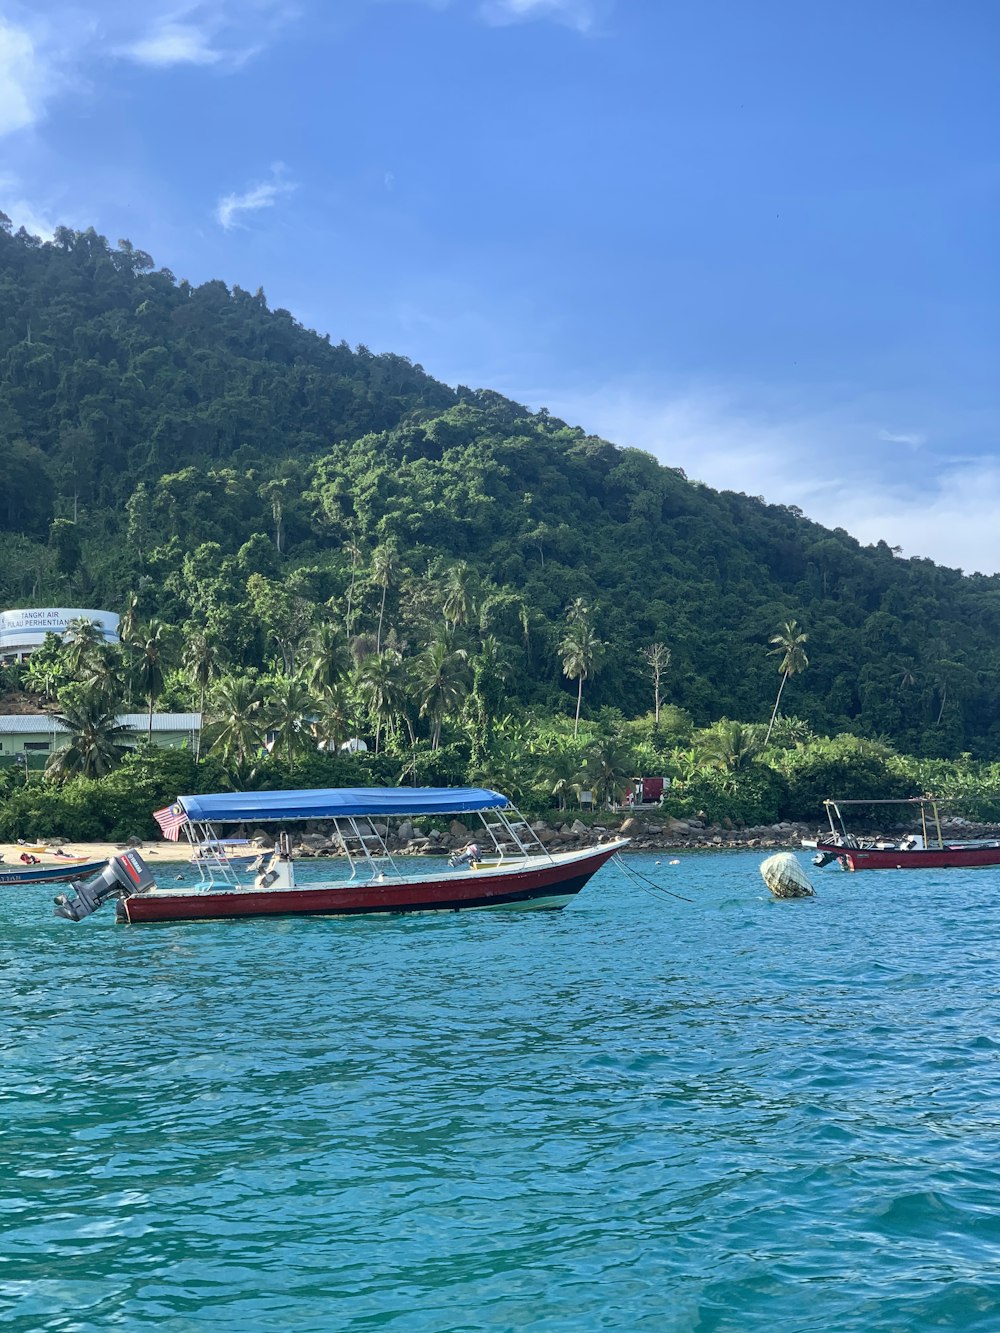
(122, 877)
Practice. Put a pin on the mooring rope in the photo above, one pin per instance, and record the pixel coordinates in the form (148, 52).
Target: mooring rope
(641, 881)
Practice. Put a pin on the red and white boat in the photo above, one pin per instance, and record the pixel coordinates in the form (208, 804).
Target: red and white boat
(513, 869)
(926, 850)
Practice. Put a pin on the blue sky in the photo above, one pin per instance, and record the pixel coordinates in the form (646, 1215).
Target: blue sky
(757, 239)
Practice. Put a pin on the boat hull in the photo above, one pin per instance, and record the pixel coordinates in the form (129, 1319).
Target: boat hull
(922, 858)
(546, 884)
(64, 874)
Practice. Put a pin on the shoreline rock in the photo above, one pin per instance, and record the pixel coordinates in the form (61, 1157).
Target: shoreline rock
(654, 832)
(664, 834)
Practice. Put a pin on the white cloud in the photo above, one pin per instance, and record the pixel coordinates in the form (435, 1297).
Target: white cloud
(583, 15)
(25, 78)
(23, 214)
(170, 43)
(819, 459)
(43, 55)
(949, 517)
(37, 218)
(263, 195)
(911, 438)
(579, 14)
(202, 32)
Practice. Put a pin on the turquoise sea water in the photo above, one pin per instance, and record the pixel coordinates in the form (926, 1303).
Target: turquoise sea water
(636, 1114)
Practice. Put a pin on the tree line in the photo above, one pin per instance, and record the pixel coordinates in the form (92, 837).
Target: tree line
(241, 489)
(437, 718)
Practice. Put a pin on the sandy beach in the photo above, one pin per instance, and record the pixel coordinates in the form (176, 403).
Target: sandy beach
(94, 851)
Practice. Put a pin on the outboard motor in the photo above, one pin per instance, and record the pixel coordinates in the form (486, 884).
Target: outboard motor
(122, 877)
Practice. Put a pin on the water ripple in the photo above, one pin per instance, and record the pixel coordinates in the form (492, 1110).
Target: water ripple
(733, 1114)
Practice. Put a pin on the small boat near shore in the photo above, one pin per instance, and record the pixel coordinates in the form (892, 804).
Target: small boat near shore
(63, 873)
(513, 869)
(926, 850)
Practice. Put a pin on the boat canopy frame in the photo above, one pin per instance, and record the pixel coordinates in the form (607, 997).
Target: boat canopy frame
(926, 803)
(509, 833)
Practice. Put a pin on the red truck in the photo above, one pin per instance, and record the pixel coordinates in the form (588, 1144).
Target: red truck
(646, 791)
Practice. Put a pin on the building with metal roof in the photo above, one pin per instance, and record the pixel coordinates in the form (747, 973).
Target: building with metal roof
(30, 738)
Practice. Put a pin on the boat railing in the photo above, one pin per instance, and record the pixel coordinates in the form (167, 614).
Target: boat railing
(213, 869)
(362, 846)
(512, 836)
(211, 863)
(509, 837)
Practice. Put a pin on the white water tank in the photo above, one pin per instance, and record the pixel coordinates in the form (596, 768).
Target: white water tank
(24, 630)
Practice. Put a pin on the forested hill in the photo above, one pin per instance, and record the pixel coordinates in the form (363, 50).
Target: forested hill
(224, 468)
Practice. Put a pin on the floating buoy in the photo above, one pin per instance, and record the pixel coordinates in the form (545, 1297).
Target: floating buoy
(785, 877)
(674, 863)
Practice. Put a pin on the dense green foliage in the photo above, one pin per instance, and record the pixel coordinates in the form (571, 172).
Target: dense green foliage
(317, 543)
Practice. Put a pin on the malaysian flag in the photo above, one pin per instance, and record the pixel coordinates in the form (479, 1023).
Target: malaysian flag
(171, 820)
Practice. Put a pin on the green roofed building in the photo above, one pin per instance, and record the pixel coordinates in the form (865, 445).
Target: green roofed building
(31, 738)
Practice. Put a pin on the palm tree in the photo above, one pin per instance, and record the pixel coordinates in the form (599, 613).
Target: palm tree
(334, 722)
(287, 710)
(96, 742)
(791, 731)
(104, 670)
(524, 619)
(273, 492)
(609, 766)
(82, 637)
(236, 729)
(788, 644)
(201, 658)
(361, 646)
(948, 676)
(730, 746)
(490, 669)
(128, 624)
(327, 658)
(356, 553)
(381, 685)
(128, 635)
(459, 604)
(385, 564)
(685, 764)
(581, 653)
(559, 773)
(154, 646)
(441, 672)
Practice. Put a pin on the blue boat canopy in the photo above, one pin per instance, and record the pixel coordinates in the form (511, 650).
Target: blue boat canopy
(261, 807)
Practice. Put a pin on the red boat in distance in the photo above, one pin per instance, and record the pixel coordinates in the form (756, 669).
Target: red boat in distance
(508, 866)
(926, 850)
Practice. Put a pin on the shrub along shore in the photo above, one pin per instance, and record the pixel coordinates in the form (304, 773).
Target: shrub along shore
(649, 832)
(724, 785)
